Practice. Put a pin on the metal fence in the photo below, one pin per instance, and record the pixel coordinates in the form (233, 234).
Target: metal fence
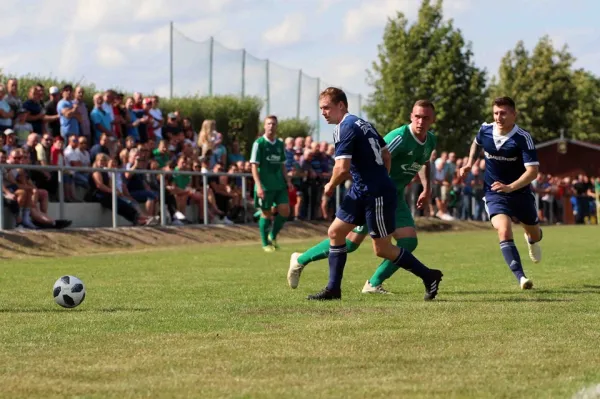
(113, 174)
(218, 70)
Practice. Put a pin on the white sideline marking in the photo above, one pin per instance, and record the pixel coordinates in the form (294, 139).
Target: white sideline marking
(592, 392)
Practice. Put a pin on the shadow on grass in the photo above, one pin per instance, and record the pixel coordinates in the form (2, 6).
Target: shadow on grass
(586, 289)
(59, 309)
(514, 299)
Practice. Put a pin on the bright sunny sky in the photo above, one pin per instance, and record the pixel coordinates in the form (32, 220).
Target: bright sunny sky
(126, 43)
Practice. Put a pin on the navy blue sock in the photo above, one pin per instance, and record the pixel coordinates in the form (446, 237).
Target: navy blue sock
(541, 236)
(408, 262)
(512, 257)
(337, 262)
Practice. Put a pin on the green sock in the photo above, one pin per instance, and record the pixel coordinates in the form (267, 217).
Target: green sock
(321, 251)
(277, 225)
(386, 269)
(263, 226)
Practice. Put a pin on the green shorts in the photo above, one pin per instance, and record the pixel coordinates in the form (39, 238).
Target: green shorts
(272, 198)
(403, 219)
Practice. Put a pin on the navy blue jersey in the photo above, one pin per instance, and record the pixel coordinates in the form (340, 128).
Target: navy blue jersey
(506, 155)
(358, 140)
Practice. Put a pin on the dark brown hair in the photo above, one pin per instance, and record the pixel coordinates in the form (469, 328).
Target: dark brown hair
(504, 102)
(425, 104)
(336, 95)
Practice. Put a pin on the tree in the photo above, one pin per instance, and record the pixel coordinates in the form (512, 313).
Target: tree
(294, 127)
(427, 60)
(542, 85)
(585, 118)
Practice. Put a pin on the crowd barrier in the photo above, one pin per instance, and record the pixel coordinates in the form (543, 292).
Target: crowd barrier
(82, 213)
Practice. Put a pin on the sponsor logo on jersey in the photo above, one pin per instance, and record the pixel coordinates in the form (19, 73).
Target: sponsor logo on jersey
(273, 158)
(500, 158)
(412, 168)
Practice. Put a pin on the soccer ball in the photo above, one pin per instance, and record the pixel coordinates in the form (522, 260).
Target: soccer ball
(69, 291)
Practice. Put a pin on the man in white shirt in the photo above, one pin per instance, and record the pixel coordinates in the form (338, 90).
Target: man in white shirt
(74, 157)
(158, 118)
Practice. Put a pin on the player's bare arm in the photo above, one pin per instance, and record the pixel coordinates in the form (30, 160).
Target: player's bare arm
(387, 159)
(340, 173)
(256, 177)
(425, 176)
(286, 176)
(472, 156)
(531, 172)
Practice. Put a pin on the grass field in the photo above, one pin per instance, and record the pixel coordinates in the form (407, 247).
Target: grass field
(220, 321)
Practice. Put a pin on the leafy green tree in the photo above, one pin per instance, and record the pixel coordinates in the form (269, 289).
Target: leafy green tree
(427, 60)
(585, 118)
(294, 127)
(542, 84)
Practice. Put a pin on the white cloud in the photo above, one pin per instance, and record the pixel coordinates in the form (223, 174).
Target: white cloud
(370, 14)
(7, 61)
(109, 56)
(324, 5)
(289, 31)
(69, 56)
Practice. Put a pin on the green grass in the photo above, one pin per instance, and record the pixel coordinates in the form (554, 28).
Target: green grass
(219, 321)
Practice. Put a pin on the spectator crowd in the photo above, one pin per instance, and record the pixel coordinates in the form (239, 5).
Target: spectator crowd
(53, 126)
(559, 199)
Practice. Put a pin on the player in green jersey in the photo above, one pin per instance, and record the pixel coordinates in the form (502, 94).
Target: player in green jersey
(411, 147)
(271, 183)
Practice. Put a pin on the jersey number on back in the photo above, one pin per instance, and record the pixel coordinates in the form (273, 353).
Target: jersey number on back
(376, 150)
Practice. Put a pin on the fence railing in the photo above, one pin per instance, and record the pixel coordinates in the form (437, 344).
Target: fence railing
(113, 179)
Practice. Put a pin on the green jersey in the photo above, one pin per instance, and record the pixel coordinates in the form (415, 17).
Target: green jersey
(269, 156)
(408, 154)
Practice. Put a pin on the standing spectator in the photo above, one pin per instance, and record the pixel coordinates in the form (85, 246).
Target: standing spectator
(84, 119)
(68, 114)
(6, 114)
(35, 110)
(12, 95)
(133, 120)
(101, 120)
(157, 117)
(584, 191)
(107, 105)
(52, 117)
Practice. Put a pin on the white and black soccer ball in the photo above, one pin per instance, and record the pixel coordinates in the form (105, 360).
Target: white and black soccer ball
(69, 291)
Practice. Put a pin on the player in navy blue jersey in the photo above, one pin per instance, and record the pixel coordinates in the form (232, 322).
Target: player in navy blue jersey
(360, 152)
(511, 164)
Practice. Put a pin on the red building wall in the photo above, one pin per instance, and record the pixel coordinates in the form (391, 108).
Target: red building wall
(578, 159)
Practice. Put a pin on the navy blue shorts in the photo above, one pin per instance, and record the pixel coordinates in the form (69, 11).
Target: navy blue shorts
(519, 207)
(378, 213)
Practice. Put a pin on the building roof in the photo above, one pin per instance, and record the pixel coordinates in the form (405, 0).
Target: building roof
(570, 141)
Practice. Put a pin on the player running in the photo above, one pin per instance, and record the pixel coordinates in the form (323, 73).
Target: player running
(271, 183)
(410, 147)
(361, 152)
(511, 164)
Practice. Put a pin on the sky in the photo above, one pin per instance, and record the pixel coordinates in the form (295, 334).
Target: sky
(126, 44)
